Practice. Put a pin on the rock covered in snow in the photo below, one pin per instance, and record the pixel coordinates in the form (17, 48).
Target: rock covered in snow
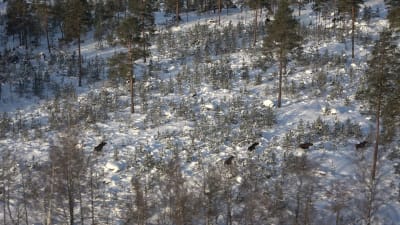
(114, 166)
(268, 103)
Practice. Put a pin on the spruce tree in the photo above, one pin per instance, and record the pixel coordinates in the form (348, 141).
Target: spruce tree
(381, 88)
(282, 37)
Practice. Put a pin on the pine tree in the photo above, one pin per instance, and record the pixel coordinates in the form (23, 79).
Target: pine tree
(219, 11)
(122, 65)
(19, 20)
(382, 87)
(350, 6)
(175, 6)
(103, 20)
(58, 13)
(68, 163)
(132, 34)
(42, 9)
(77, 17)
(143, 11)
(257, 5)
(282, 37)
(300, 4)
(394, 14)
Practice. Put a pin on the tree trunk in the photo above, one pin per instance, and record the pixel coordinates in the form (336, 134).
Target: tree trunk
(50, 209)
(338, 217)
(280, 79)
(79, 60)
(26, 38)
(7, 202)
(177, 11)
(219, 12)
(25, 201)
(299, 4)
(376, 147)
(143, 33)
(70, 193)
(71, 209)
(46, 28)
(60, 26)
(4, 198)
(255, 28)
(91, 194)
(48, 40)
(229, 209)
(377, 122)
(298, 201)
(353, 15)
(131, 79)
(20, 38)
(70, 189)
(81, 201)
(144, 47)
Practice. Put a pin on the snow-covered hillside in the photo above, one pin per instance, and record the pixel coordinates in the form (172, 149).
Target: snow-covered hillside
(206, 94)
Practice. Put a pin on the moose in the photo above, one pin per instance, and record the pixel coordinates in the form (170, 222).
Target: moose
(305, 145)
(229, 160)
(100, 146)
(253, 146)
(361, 144)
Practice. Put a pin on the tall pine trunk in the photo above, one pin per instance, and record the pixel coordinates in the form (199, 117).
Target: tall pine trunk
(299, 5)
(353, 15)
(92, 212)
(376, 147)
(71, 204)
(377, 122)
(131, 79)
(143, 33)
(219, 12)
(46, 28)
(82, 214)
(48, 40)
(280, 78)
(255, 28)
(177, 11)
(377, 136)
(4, 199)
(50, 209)
(80, 59)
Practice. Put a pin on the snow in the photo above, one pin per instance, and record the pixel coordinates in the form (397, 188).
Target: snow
(268, 103)
(134, 142)
(114, 166)
(3, 8)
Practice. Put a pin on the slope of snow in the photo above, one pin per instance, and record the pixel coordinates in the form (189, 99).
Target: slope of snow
(140, 144)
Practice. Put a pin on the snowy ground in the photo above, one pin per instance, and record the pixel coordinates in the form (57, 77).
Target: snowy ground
(127, 134)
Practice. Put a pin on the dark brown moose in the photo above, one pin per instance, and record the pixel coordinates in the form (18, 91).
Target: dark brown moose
(99, 147)
(253, 146)
(305, 145)
(229, 160)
